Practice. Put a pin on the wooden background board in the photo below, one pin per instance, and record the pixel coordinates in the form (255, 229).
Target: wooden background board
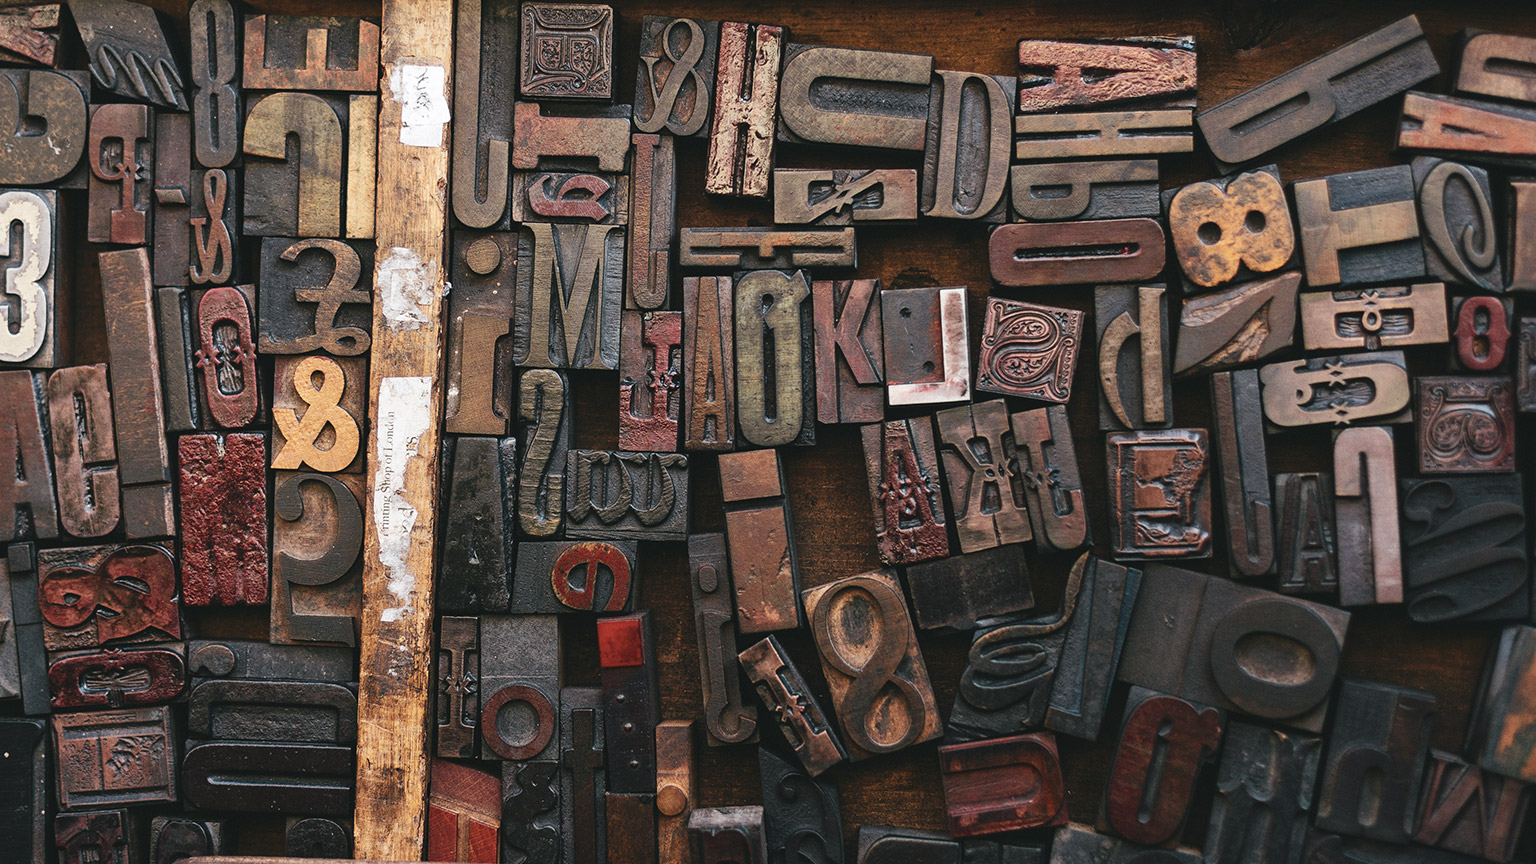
(1241, 43)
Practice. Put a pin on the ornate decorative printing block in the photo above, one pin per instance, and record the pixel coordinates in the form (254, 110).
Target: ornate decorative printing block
(981, 475)
(904, 491)
(786, 695)
(1337, 390)
(1161, 493)
(567, 51)
(1465, 424)
(1029, 350)
(611, 495)
(111, 758)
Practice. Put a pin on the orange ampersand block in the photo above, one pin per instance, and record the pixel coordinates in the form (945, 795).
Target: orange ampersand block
(303, 436)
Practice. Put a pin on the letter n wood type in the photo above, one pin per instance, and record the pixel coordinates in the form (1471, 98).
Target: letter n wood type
(904, 491)
(1376, 753)
(224, 540)
(765, 571)
(709, 363)
(850, 362)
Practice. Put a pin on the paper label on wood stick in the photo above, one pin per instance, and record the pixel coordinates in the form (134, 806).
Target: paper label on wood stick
(405, 288)
(405, 412)
(424, 112)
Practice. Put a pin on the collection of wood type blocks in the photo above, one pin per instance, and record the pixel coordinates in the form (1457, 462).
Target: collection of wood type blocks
(218, 458)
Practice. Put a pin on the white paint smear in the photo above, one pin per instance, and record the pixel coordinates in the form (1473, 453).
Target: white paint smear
(405, 288)
(405, 412)
(420, 90)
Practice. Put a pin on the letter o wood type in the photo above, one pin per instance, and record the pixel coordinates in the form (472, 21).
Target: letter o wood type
(1264, 691)
(543, 732)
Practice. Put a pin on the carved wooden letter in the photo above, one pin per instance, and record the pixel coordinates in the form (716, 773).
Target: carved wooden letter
(84, 451)
(1135, 390)
(746, 105)
(904, 491)
(850, 364)
(1365, 488)
(776, 404)
(981, 475)
(709, 363)
(727, 720)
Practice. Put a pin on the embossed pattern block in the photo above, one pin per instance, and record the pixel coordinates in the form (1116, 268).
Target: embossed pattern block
(521, 671)
(121, 153)
(463, 814)
(1376, 753)
(109, 758)
(653, 223)
(1482, 335)
(1359, 227)
(1346, 80)
(570, 291)
(544, 407)
(1164, 744)
(30, 34)
(775, 358)
(477, 552)
(1464, 548)
(709, 360)
(1499, 731)
(969, 139)
(1461, 242)
(727, 719)
(1053, 488)
(1160, 487)
(316, 598)
(677, 790)
(1232, 228)
(28, 508)
(1365, 501)
(129, 53)
(1374, 318)
(225, 356)
(854, 97)
(595, 140)
(802, 819)
(1075, 73)
(1076, 253)
(981, 476)
(1338, 390)
(98, 836)
(116, 678)
(741, 136)
(290, 52)
(651, 380)
(1114, 189)
(38, 323)
(843, 196)
(484, 86)
(612, 495)
(766, 248)
(675, 81)
(567, 51)
(861, 662)
(765, 569)
(1308, 538)
(1135, 387)
(792, 704)
(59, 100)
(1264, 790)
(1452, 789)
(1525, 365)
(84, 452)
(1236, 325)
(1090, 649)
(563, 196)
(585, 576)
(1465, 424)
(1238, 427)
(104, 595)
(1029, 350)
(1005, 784)
(850, 361)
(1467, 128)
(483, 270)
(927, 353)
(626, 652)
(728, 835)
(457, 694)
(224, 540)
(310, 298)
(1103, 134)
(1485, 67)
(903, 476)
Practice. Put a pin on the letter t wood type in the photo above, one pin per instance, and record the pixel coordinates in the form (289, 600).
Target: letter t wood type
(758, 531)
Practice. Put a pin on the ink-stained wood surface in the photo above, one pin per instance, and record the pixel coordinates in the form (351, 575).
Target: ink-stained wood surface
(1241, 45)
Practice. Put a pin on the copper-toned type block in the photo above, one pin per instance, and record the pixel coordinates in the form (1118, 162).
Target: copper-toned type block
(109, 758)
(58, 99)
(1135, 387)
(28, 508)
(850, 361)
(1365, 502)
(597, 140)
(463, 814)
(1376, 753)
(171, 194)
(84, 452)
(1374, 318)
(316, 598)
(765, 570)
(1163, 747)
(88, 837)
(927, 345)
(1359, 227)
(224, 539)
(766, 248)
(970, 137)
(1047, 458)
(143, 462)
(1055, 74)
(675, 82)
(904, 493)
(981, 477)
(1237, 325)
(790, 700)
(1074, 253)
(1232, 227)
(121, 154)
(106, 595)
(1482, 335)
(1488, 63)
(567, 196)
(727, 719)
(225, 358)
(652, 222)
(709, 363)
(962, 590)
(1029, 350)
(319, 404)
(567, 51)
(1444, 518)
(1338, 390)
(746, 108)
(651, 380)
(1160, 493)
(843, 196)
(30, 34)
(1465, 424)
(1104, 134)
(854, 97)
(484, 86)
(289, 52)
(309, 196)
(1467, 128)
(1005, 784)
(480, 391)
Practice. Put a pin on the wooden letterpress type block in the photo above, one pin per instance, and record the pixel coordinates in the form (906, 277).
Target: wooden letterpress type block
(104, 836)
(1502, 805)
(1264, 790)
(58, 100)
(612, 495)
(567, 51)
(173, 839)
(1006, 784)
(766, 248)
(1525, 365)
(675, 80)
(1308, 551)
(1376, 754)
(316, 598)
(28, 508)
(11, 682)
(521, 672)
(1499, 731)
(224, 540)
(880, 844)
(1521, 246)
(855, 656)
(1488, 62)
(216, 51)
(319, 406)
(1237, 325)
(1208, 623)
(225, 358)
(26, 632)
(1104, 134)
(317, 837)
(121, 153)
(214, 257)
(111, 758)
(585, 576)
(241, 659)
(1030, 254)
(709, 361)
(457, 698)
(790, 701)
(775, 362)
(1053, 487)
(1482, 334)
(1135, 388)
(1348, 79)
(1374, 318)
(254, 710)
(310, 298)
(1366, 505)
(305, 197)
(651, 380)
(880, 97)
(1077, 73)
(1117, 189)
(485, 84)
(1339, 390)
(1080, 844)
(1461, 241)
(262, 776)
(927, 350)
(29, 34)
(960, 591)
(1238, 426)
(36, 283)
(117, 678)
(677, 789)
(653, 221)
(843, 196)
(727, 719)
(1163, 748)
(765, 570)
(632, 817)
(563, 196)
(849, 357)
(904, 491)
(530, 811)
(1231, 228)
(291, 52)
(24, 761)
(981, 476)
(1359, 227)
(1090, 647)
(965, 153)
(544, 407)
(463, 814)
(728, 835)
(130, 55)
(746, 110)
(477, 549)
(484, 276)
(596, 139)
(1467, 129)
(631, 701)
(170, 194)
(1443, 519)
(1029, 350)
(583, 784)
(570, 291)
(1465, 424)
(801, 815)
(103, 595)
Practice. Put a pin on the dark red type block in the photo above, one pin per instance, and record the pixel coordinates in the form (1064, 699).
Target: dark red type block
(95, 595)
(1004, 784)
(116, 678)
(224, 519)
(1163, 746)
(463, 814)
(651, 379)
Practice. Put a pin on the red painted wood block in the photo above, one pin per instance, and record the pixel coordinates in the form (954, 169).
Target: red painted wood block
(1005, 784)
(224, 519)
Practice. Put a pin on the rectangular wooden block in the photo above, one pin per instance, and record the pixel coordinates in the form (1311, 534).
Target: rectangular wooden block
(1499, 730)
(1461, 239)
(1443, 818)
(1103, 134)
(1338, 390)
(775, 358)
(803, 196)
(31, 34)
(850, 360)
(766, 248)
(1447, 410)
(316, 598)
(173, 321)
(1365, 503)
(879, 98)
(1005, 784)
(1080, 844)
(570, 291)
(59, 98)
(709, 361)
(522, 671)
(230, 709)
(1359, 227)
(904, 492)
(1379, 731)
(24, 757)
(216, 52)
(27, 632)
(626, 655)
(799, 811)
(586, 138)
(171, 197)
(175, 838)
(1487, 65)
(1114, 189)
(463, 814)
(477, 552)
(106, 595)
(485, 84)
(958, 592)
(765, 571)
(215, 257)
(1237, 424)
(792, 704)
(1164, 744)
(1520, 216)
(651, 377)
(728, 835)
(266, 776)
(1237, 325)
(613, 495)
(1307, 557)
(927, 353)
(121, 154)
(653, 220)
(328, 190)
(969, 139)
(1029, 350)
(1079, 73)
(981, 477)
(1264, 790)
(1231, 229)
(583, 787)
(224, 539)
(1525, 365)
(457, 695)
(1444, 518)
(675, 81)
(1467, 129)
(243, 659)
(480, 394)
(291, 52)
(1053, 485)
(1090, 646)
(741, 133)
(727, 719)
(567, 51)
(575, 576)
(544, 407)
(28, 506)
(1023, 255)
(632, 817)
(111, 758)
(38, 310)
(530, 810)
(1483, 333)
(1136, 387)
(1374, 318)
(314, 296)
(136, 396)
(224, 334)
(677, 789)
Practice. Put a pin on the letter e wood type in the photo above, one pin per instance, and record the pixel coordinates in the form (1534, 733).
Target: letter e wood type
(576, 577)
(1160, 488)
(1005, 784)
